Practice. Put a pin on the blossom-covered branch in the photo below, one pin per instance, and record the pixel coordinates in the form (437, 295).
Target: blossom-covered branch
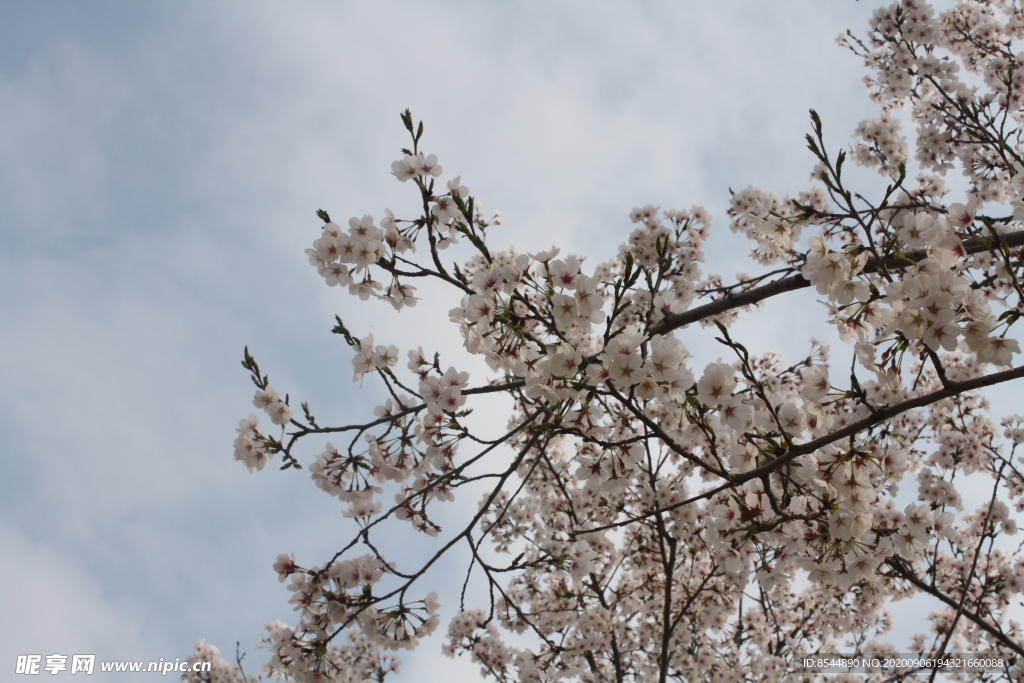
(644, 518)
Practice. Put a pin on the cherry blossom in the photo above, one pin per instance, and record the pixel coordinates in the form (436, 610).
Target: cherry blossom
(644, 516)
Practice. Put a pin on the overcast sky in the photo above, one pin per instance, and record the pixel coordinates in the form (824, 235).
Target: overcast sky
(160, 165)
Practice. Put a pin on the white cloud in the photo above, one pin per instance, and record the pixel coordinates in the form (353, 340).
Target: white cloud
(59, 608)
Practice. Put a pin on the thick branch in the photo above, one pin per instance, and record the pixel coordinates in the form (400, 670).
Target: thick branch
(788, 455)
(674, 321)
(904, 572)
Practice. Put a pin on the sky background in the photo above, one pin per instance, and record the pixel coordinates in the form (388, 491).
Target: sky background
(160, 165)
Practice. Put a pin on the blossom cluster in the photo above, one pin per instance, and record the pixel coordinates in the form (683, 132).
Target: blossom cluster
(646, 515)
(250, 445)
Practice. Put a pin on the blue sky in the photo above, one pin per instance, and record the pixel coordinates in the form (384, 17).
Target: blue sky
(160, 165)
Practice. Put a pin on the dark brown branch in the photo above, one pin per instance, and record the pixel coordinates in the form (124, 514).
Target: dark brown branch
(788, 455)
(906, 573)
(674, 321)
